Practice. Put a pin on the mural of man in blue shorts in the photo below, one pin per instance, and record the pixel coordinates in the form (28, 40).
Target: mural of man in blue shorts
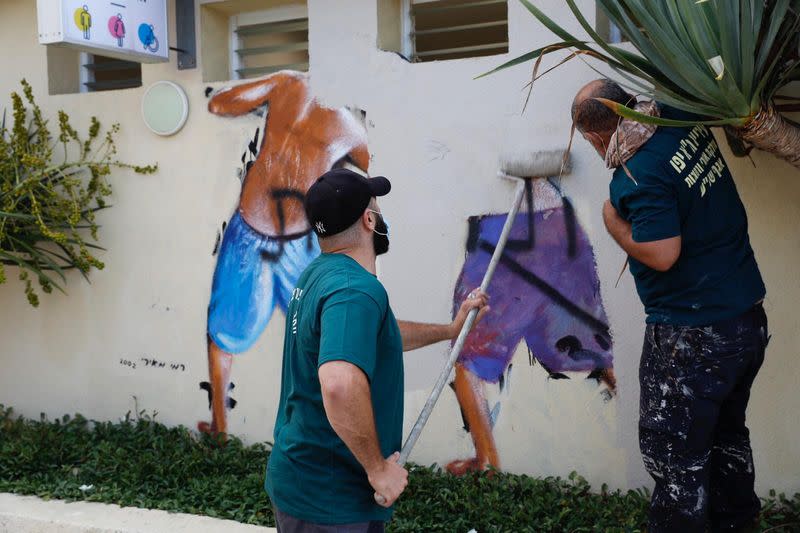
(267, 243)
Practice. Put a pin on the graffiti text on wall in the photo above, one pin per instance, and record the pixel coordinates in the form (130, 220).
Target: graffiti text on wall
(150, 362)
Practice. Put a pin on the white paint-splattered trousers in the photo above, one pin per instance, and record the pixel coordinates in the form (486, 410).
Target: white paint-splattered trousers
(695, 385)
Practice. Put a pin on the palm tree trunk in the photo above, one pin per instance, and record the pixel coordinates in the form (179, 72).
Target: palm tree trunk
(771, 132)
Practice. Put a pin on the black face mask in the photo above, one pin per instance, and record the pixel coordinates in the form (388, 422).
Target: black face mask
(380, 236)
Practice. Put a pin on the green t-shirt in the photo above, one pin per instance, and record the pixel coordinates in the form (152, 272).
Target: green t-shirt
(338, 312)
(683, 187)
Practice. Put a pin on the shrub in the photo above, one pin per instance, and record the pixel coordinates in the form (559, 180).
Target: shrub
(50, 190)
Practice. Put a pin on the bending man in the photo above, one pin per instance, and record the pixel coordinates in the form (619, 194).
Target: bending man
(675, 210)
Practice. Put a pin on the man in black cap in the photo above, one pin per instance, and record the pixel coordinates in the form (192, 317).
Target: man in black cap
(340, 417)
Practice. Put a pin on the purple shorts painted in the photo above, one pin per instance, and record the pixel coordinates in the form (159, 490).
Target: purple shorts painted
(545, 290)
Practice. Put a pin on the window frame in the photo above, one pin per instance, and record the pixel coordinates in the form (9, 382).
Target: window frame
(86, 75)
(281, 13)
(409, 33)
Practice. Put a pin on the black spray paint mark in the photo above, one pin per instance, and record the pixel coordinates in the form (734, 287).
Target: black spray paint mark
(249, 155)
(504, 381)
(517, 245)
(553, 375)
(206, 386)
(230, 402)
(253, 146)
(548, 290)
(531, 357)
(529, 243)
(597, 374)
(280, 197)
(218, 240)
(572, 346)
(602, 341)
(571, 224)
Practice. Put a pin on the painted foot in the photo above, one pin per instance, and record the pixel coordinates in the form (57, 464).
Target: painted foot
(460, 467)
(605, 376)
(609, 379)
(211, 429)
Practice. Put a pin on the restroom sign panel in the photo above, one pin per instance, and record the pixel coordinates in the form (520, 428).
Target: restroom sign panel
(135, 30)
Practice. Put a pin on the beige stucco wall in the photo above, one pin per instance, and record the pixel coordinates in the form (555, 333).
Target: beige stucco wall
(438, 135)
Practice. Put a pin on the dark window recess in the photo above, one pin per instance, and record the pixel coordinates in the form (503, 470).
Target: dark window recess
(272, 46)
(454, 29)
(106, 74)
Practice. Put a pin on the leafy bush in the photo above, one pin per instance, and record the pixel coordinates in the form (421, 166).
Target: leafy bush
(49, 198)
(139, 462)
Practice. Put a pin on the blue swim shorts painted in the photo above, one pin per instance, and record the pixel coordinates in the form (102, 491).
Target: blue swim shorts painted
(253, 274)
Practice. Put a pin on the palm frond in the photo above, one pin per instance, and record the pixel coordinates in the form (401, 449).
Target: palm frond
(627, 112)
(717, 58)
(532, 55)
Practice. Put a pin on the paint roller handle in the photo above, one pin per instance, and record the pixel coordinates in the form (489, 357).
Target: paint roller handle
(462, 336)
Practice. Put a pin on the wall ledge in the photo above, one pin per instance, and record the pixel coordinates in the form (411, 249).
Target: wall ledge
(29, 514)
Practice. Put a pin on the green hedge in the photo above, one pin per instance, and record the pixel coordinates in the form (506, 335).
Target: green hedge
(139, 462)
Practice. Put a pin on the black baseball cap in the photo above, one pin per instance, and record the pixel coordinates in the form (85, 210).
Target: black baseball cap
(338, 197)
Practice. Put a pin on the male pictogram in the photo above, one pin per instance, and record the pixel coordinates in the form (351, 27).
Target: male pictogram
(83, 20)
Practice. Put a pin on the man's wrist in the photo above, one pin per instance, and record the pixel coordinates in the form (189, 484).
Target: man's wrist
(375, 468)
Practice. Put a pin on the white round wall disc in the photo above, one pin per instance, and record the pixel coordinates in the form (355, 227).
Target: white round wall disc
(165, 108)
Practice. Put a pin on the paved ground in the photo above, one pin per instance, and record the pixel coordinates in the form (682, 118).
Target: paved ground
(28, 514)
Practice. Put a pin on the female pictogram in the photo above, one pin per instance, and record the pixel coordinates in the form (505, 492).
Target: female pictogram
(147, 35)
(117, 28)
(83, 20)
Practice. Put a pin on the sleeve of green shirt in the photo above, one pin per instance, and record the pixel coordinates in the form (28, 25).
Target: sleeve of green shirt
(349, 325)
(650, 206)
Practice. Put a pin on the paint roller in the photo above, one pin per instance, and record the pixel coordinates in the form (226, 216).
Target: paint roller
(518, 168)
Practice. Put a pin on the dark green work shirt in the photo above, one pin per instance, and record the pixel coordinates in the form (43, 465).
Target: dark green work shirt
(683, 187)
(338, 312)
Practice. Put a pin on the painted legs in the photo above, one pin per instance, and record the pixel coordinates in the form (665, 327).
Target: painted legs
(219, 374)
(254, 273)
(469, 391)
(475, 409)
